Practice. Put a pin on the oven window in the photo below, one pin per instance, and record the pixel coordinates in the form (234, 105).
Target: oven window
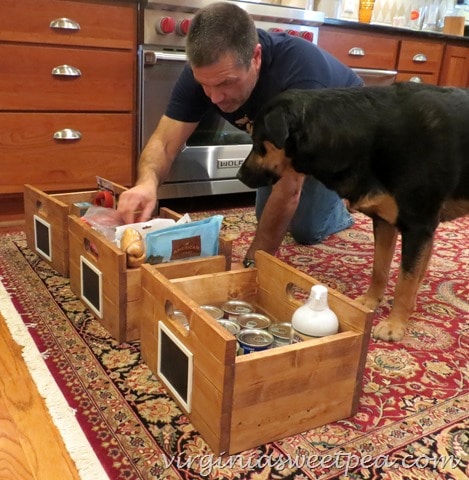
(215, 130)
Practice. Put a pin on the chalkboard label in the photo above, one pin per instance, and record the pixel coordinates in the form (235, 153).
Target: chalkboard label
(42, 237)
(91, 286)
(175, 365)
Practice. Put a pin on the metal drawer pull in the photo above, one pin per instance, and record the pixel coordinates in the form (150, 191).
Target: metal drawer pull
(415, 79)
(67, 134)
(64, 24)
(357, 52)
(420, 58)
(66, 71)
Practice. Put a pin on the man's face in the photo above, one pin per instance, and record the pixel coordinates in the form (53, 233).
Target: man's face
(226, 83)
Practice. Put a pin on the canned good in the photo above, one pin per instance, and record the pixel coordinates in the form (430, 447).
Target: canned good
(234, 308)
(181, 318)
(215, 312)
(255, 340)
(254, 320)
(231, 326)
(282, 333)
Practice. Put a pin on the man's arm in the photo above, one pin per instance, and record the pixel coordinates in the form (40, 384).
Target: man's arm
(154, 164)
(278, 212)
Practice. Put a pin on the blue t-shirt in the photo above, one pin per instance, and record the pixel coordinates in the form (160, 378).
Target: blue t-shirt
(287, 62)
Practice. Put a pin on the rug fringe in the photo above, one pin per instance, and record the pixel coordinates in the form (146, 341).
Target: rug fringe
(63, 416)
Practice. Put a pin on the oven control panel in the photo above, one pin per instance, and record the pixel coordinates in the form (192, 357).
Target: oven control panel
(167, 25)
(171, 30)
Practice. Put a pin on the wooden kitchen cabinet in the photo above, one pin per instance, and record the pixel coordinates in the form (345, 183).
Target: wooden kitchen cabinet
(455, 67)
(360, 49)
(68, 75)
(30, 151)
(416, 57)
(420, 61)
(101, 81)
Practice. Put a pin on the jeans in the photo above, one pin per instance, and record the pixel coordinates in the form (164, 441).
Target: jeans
(320, 212)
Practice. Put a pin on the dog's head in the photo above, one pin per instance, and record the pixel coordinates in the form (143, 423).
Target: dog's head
(268, 160)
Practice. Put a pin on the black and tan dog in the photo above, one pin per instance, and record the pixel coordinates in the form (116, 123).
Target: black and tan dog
(399, 154)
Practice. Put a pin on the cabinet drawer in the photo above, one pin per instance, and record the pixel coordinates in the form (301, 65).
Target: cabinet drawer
(360, 49)
(418, 77)
(30, 154)
(27, 81)
(420, 56)
(105, 25)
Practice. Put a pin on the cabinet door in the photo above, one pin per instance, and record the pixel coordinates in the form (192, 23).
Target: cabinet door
(69, 23)
(103, 80)
(422, 57)
(455, 68)
(29, 153)
(361, 50)
(417, 77)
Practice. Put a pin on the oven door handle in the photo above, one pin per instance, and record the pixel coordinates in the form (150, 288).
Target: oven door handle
(152, 57)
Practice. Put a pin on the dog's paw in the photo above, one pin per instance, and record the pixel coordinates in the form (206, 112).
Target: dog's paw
(368, 302)
(390, 331)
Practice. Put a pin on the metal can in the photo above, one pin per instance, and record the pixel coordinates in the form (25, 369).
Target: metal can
(215, 312)
(181, 318)
(255, 340)
(282, 333)
(234, 308)
(231, 326)
(254, 320)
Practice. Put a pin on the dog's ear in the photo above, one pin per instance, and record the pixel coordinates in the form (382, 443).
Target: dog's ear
(276, 127)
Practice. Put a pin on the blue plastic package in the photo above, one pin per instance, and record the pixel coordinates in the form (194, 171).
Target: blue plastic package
(194, 239)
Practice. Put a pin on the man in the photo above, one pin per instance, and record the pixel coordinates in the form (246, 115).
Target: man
(235, 69)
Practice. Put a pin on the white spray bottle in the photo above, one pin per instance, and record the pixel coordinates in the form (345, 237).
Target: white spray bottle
(315, 318)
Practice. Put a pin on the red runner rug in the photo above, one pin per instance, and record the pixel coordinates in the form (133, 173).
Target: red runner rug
(413, 420)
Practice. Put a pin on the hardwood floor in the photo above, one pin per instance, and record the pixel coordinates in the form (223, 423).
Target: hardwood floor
(31, 447)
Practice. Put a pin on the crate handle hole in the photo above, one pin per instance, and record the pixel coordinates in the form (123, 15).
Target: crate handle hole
(177, 316)
(297, 293)
(40, 208)
(90, 247)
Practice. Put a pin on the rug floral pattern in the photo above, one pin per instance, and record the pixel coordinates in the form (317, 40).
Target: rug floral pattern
(412, 422)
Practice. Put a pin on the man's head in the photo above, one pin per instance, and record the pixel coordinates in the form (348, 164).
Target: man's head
(224, 54)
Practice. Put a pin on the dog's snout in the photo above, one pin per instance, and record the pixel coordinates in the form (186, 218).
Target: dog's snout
(252, 174)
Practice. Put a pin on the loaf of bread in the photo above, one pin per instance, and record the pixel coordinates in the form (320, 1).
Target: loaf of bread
(133, 245)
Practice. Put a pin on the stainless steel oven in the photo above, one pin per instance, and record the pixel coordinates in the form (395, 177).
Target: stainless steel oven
(209, 161)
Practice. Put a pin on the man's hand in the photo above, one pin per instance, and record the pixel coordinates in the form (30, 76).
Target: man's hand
(138, 203)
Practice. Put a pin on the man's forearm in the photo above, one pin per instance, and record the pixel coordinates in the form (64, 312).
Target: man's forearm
(276, 217)
(150, 169)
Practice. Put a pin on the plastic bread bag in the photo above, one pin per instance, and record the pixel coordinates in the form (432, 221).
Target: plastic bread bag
(104, 220)
(150, 226)
(195, 239)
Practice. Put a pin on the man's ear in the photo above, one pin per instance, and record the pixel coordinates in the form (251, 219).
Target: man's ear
(276, 127)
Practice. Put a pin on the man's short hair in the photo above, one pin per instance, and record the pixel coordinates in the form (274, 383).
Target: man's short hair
(218, 29)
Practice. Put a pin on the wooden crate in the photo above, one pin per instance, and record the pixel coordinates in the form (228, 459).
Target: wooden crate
(100, 277)
(240, 402)
(46, 218)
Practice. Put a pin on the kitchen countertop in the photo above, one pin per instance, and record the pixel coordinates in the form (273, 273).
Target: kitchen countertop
(389, 29)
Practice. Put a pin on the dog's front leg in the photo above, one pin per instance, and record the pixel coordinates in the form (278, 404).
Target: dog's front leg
(385, 236)
(415, 258)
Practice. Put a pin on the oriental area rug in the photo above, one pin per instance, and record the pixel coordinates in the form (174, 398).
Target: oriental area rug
(412, 421)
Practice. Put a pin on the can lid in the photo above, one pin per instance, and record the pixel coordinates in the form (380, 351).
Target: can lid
(281, 330)
(253, 320)
(232, 327)
(238, 307)
(214, 311)
(255, 337)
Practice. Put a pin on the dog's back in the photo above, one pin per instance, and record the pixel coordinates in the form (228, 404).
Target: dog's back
(381, 138)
